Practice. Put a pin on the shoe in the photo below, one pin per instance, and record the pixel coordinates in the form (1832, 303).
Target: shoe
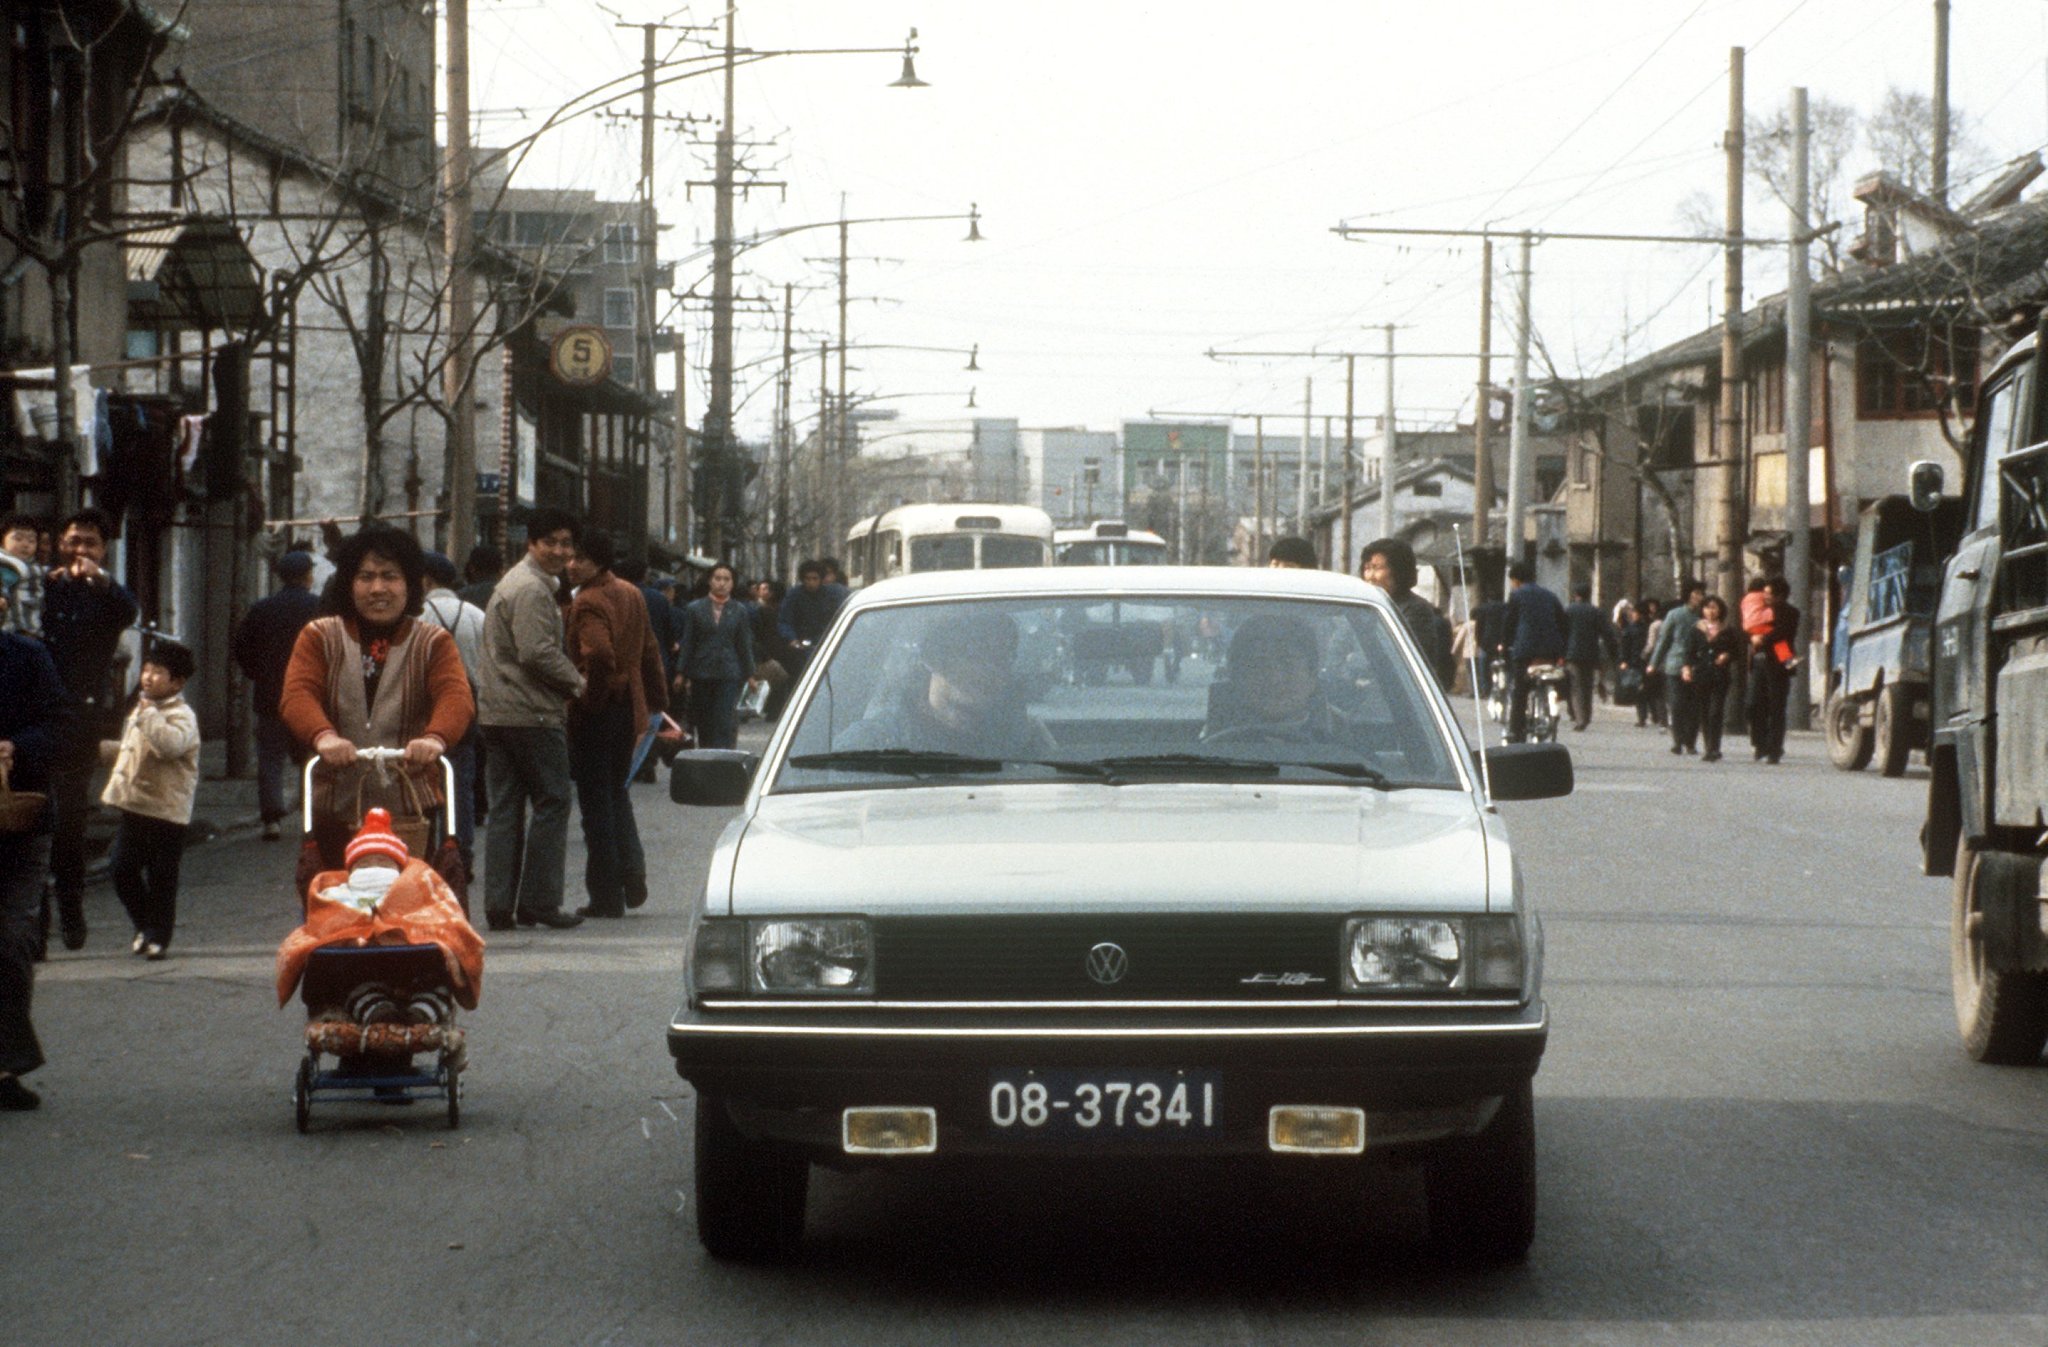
(16, 1097)
(1710, 757)
(271, 832)
(497, 921)
(74, 931)
(1676, 750)
(153, 952)
(1773, 759)
(557, 920)
(636, 890)
(1690, 749)
(135, 945)
(588, 911)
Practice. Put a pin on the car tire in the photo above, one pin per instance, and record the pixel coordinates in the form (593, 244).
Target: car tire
(750, 1194)
(1482, 1191)
(1892, 737)
(2001, 1014)
(1849, 740)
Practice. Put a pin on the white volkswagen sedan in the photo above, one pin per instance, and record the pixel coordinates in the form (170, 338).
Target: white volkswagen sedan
(980, 899)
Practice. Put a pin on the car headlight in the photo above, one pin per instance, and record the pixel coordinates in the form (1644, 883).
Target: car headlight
(1422, 954)
(812, 954)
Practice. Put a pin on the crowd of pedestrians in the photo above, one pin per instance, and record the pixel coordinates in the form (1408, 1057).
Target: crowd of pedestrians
(1678, 665)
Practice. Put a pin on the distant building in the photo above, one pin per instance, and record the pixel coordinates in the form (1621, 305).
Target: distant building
(1074, 475)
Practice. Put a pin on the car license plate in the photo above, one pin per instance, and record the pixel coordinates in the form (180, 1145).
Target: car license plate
(1072, 1104)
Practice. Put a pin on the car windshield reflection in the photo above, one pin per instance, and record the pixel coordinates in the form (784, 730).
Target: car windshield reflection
(1118, 690)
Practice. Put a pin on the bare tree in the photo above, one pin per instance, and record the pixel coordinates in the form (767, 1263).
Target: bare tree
(1833, 132)
(1900, 135)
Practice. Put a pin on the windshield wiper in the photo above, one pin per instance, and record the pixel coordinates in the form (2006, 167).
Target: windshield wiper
(935, 762)
(1260, 767)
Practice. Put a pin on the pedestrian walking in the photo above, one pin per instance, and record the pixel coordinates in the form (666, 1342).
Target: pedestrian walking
(1588, 638)
(444, 607)
(1673, 657)
(1533, 632)
(35, 709)
(774, 647)
(1719, 652)
(1653, 700)
(1388, 564)
(717, 660)
(525, 681)
(155, 775)
(613, 645)
(262, 648)
(370, 674)
(480, 572)
(85, 613)
(1772, 662)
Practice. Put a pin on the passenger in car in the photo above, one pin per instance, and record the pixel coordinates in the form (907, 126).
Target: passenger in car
(967, 699)
(1273, 689)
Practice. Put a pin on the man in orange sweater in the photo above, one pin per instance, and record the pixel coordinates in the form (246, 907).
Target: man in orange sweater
(613, 645)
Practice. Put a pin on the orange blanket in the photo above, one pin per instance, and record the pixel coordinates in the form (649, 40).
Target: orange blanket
(420, 910)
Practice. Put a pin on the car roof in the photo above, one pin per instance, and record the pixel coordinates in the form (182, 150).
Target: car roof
(1112, 581)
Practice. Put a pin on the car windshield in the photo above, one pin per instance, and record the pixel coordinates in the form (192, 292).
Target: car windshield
(1136, 688)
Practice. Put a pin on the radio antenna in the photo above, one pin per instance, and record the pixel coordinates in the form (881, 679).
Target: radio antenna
(1479, 696)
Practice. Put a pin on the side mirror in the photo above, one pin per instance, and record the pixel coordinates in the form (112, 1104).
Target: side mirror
(711, 776)
(1924, 481)
(1527, 771)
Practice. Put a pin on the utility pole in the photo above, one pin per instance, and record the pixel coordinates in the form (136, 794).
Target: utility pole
(785, 432)
(1387, 446)
(1518, 429)
(1308, 399)
(1725, 474)
(1799, 409)
(457, 224)
(1482, 419)
(843, 448)
(1259, 490)
(825, 505)
(683, 517)
(1940, 165)
(1343, 558)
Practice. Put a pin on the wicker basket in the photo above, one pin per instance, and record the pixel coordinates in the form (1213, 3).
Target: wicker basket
(20, 810)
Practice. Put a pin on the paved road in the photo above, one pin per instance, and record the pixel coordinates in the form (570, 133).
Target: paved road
(1755, 1127)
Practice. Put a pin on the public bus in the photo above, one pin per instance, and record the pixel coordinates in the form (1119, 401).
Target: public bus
(1108, 542)
(971, 537)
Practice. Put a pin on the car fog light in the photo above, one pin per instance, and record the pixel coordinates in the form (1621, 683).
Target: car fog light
(889, 1131)
(1315, 1129)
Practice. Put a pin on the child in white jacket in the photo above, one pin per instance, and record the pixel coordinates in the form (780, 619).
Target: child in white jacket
(156, 774)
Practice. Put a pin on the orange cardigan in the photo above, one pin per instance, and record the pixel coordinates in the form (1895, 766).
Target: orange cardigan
(303, 707)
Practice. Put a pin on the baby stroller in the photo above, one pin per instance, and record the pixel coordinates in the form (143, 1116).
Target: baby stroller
(375, 1008)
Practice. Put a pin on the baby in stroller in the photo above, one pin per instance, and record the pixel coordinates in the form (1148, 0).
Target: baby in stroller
(381, 961)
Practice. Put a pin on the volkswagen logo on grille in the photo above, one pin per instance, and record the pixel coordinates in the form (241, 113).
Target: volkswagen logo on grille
(1107, 963)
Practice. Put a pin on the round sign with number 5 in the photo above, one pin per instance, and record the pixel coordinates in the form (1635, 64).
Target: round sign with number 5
(580, 355)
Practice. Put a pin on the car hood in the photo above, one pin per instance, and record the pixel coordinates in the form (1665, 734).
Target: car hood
(1049, 847)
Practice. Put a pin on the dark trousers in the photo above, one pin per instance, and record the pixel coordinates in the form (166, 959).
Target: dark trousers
(1768, 685)
(1713, 699)
(277, 753)
(462, 761)
(524, 854)
(1584, 673)
(715, 711)
(24, 863)
(144, 868)
(601, 746)
(1682, 704)
(71, 802)
(1652, 707)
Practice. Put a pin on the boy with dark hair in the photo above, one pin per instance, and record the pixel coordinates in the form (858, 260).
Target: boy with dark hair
(156, 774)
(1292, 554)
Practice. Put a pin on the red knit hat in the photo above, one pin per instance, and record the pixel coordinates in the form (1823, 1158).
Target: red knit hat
(376, 839)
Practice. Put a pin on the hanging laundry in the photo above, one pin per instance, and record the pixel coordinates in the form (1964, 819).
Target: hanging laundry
(35, 409)
(98, 440)
(191, 435)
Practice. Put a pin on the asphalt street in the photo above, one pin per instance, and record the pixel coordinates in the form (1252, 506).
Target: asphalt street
(1754, 1126)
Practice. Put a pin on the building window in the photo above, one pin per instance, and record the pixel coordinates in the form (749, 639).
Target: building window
(623, 369)
(1767, 400)
(618, 308)
(531, 228)
(619, 243)
(1907, 372)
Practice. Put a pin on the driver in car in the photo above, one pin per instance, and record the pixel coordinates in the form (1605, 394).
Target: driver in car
(967, 701)
(1274, 691)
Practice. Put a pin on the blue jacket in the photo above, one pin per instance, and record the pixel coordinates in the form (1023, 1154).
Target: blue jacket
(808, 613)
(83, 623)
(1587, 633)
(263, 643)
(34, 709)
(1534, 626)
(721, 650)
(1675, 641)
(666, 623)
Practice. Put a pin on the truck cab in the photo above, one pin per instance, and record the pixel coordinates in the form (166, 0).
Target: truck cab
(1987, 800)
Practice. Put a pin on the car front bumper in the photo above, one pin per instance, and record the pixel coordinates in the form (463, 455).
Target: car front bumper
(1419, 1075)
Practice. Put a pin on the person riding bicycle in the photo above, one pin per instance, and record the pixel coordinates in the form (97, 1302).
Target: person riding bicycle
(1534, 633)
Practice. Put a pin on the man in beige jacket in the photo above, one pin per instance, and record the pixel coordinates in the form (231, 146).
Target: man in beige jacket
(156, 774)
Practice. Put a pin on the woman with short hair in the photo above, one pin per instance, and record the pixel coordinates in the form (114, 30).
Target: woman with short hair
(716, 659)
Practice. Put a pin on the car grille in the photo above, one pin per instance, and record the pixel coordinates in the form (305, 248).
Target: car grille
(1048, 958)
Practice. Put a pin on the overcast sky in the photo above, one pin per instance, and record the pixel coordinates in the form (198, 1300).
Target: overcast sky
(1160, 179)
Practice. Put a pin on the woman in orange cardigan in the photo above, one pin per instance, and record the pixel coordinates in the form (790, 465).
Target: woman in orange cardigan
(368, 675)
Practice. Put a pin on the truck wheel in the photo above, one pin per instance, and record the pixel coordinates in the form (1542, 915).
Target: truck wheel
(2002, 1014)
(1892, 739)
(1849, 745)
(750, 1194)
(1482, 1191)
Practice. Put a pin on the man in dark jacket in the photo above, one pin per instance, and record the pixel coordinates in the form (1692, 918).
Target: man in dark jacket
(1533, 632)
(809, 610)
(262, 647)
(34, 710)
(1389, 564)
(1587, 636)
(85, 613)
(1770, 678)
